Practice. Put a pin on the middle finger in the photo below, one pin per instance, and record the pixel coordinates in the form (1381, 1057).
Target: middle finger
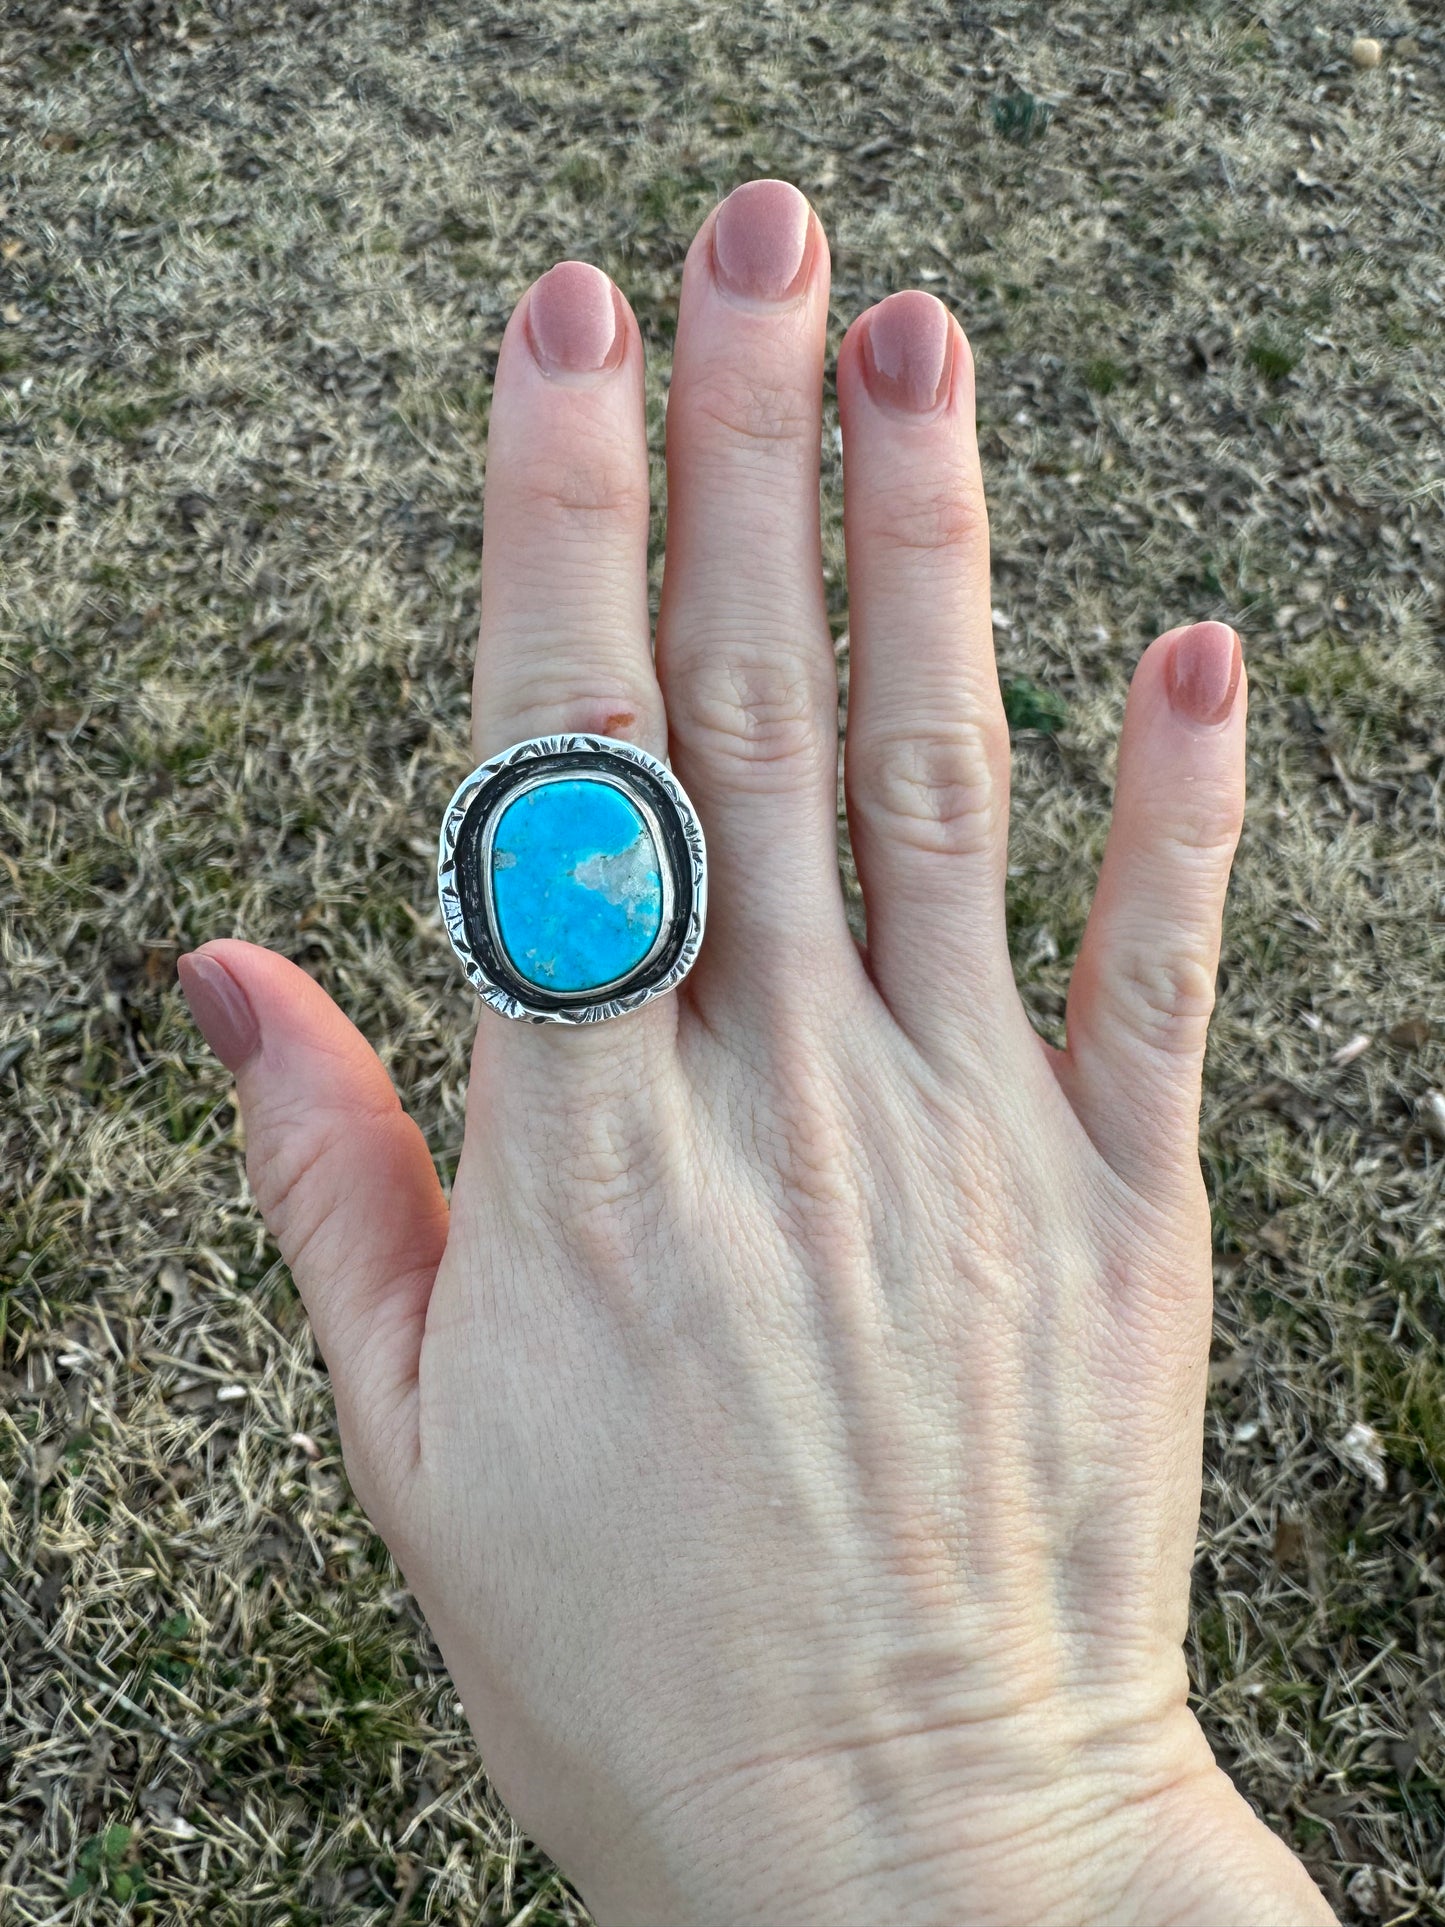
(744, 652)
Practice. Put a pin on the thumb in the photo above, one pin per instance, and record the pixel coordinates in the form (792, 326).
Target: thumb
(342, 1175)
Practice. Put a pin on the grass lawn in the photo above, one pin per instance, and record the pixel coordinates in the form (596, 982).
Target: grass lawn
(255, 262)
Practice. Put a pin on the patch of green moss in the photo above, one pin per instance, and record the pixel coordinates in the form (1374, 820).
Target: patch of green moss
(581, 175)
(1272, 357)
(677, 199)
(1406, 1401)
(1344, 677)
(1102, 375)
(1021, 116)
(1028, 706)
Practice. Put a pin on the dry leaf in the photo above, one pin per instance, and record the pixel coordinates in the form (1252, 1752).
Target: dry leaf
(1289, 1543)
(160, 964)
(172, 1279)
(1274, 1235)
(1224, 1372)
(1411, 1033)
(1365, 1888)
(1286, 1100)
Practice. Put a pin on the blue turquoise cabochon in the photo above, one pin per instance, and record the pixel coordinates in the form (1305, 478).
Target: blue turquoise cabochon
(576, 883)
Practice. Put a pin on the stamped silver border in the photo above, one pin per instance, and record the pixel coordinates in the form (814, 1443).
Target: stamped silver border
(601, 1006)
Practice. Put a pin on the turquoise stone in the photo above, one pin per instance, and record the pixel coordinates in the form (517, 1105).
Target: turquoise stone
(576, 884)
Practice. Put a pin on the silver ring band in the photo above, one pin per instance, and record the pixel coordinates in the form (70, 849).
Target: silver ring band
(572, 875)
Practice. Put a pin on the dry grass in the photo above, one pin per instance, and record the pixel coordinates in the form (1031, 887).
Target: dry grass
(256, 265)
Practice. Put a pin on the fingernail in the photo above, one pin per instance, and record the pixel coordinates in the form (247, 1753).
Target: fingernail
(221, 1009)
(908, 352)
(760, 241)
(1203, 671)
(572, 320)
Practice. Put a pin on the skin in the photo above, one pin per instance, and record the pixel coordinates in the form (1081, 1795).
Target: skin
(792, 1431)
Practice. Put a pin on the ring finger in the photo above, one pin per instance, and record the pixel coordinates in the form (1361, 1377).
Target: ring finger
(563, 643)
(928, 745)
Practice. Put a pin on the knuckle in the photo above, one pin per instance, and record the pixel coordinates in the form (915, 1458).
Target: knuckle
(612, 707)
(591, 486)
(1166, 999)
(1209, 829)
(302, 1172)
(756, 710)
(942, 793)
(747, 412)
(800, 1123)
(943, 515)
(600, 1188)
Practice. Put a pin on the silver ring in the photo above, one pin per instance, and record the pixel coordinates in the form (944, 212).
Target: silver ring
(573, 879)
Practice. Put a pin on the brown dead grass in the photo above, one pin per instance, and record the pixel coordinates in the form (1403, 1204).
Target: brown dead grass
(256, 264)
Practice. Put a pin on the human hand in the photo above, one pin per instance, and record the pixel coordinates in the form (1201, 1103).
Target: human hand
(793, 1435)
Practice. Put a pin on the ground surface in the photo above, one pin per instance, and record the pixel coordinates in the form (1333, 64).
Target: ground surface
(256, 262)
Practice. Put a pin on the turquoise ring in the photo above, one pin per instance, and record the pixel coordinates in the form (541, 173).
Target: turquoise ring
(573, 879)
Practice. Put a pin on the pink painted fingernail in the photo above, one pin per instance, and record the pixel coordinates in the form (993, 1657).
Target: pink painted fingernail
(1203, 671)
(221, 1009)
(760, 241)
(572, 320)
(908, 352)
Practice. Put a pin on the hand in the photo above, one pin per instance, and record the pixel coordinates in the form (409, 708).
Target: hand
(793, 1436)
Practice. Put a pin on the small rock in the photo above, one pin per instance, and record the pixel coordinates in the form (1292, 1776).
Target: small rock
(1432, 1115)
(1364, 1888)
(1366, 52)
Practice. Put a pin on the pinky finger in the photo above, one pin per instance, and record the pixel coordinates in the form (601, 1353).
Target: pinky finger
(1143, 986)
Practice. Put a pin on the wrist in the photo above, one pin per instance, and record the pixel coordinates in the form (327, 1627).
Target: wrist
(1213, 1859)
(1160, 1839)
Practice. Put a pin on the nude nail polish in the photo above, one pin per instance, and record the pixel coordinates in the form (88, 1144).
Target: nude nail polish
(1202, 674)
(907, 352)
(760, 240)
(572, 322)
(221, 1009)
